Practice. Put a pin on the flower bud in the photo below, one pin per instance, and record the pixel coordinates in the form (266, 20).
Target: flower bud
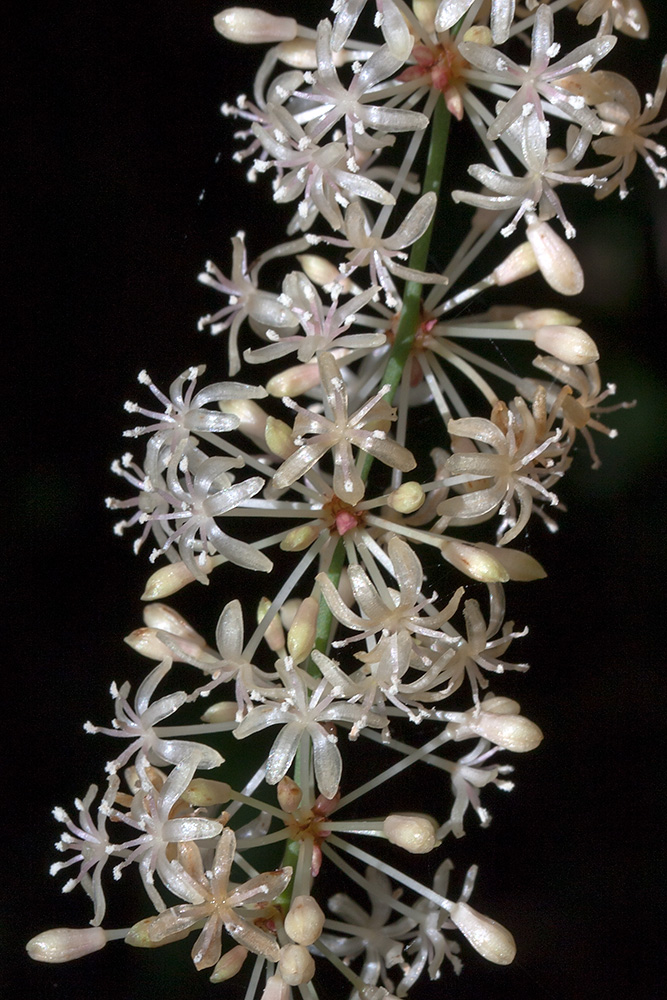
(500, 705)
(251, 416)
(533, 319)
(276, 989)
(169, 579)
(493, 941)
(62, 944)
(521, 263)
(249, 26)
(567, 343)
(305, 920)
(299, 378)
(555, 259)
(519, 565)
(278, 437)
(146, 642)
(425, 11)
(407, 498)
(415, 834)
(229, 964)
(300, 538)
(322, 272)
(274, 636)
(302, 631)
(206, 792)
(512, 732)
(296, 965)
(138, 935)
(479, 34)
(475, 562)
(289, 799)
(298, 53)
(222, 711)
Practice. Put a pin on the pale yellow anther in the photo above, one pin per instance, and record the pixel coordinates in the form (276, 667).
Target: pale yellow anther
(415, 834)
(301, 635)
(407, 498)
(305, 920)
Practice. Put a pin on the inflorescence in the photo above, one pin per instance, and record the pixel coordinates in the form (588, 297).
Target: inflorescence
(352, 670)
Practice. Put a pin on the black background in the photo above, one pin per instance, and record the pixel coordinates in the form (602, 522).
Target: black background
(114, 134)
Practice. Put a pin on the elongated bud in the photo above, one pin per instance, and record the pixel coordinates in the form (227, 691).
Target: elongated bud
(504, 729)
(251, 416)
(322, 272)
(305, 920)
(146, 642)
(250, 26)
(276, 989)
(500, 705)
(568, 344)
(138, 935)
(299, 378)
(493, 941)
(229, 964)
(475, 562)
(415, 834)
(425, 11)
(555, 259)
(296, 964)
(533, 319)
(521, 263)
(274, 635)
(301, 635)
(169, 579)
(206, 792)
(520, 566)
(289, 797)
(222, 711)
(479, 34)
(300, 538)
(407, 498)
(62, 944)
(278, 437)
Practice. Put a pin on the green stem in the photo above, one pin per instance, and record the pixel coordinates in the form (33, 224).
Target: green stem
(410, 314)
(398, 357)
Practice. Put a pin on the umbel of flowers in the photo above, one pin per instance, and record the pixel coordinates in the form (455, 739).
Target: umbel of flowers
(373, 431)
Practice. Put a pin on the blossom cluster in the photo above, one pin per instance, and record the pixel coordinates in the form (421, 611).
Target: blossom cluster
(369, 444)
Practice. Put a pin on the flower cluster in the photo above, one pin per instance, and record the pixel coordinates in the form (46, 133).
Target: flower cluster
(369, 445)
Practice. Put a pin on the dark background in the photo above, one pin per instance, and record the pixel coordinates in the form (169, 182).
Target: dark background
(115, 133)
